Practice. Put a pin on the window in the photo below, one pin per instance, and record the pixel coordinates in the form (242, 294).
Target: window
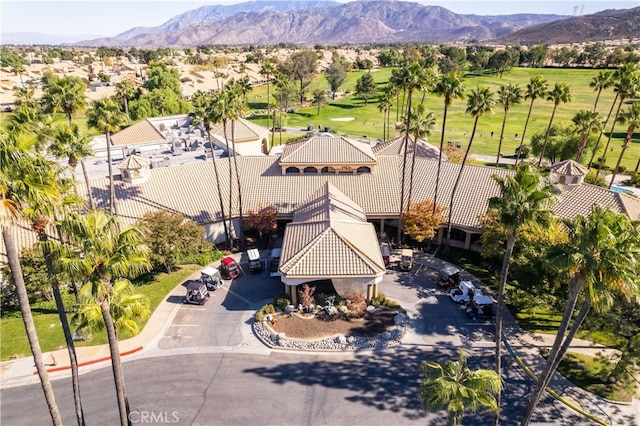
(292, 170)
(325, 170)
(310, 169)
(563, 179)
(364, 169)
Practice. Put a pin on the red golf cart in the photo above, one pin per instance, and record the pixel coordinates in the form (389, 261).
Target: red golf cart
(229, 268)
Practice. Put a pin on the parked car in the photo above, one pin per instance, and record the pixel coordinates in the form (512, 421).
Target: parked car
(255, 264)
(464, 292)
(211, 278)
(406, 259)
(197, 293)
(229, 268)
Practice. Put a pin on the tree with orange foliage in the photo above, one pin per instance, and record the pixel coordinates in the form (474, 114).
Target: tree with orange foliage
(263, 220)
(422, 220)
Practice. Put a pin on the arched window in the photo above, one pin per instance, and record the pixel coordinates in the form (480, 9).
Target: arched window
(324, 170)
(310, 169)
(364, 169)
(575, 180)
(292, 170)
(563, 179)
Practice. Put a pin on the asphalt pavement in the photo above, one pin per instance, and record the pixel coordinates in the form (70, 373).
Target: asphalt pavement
(206, 363)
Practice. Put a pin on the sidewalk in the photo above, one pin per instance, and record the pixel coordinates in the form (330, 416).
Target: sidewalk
(527, 346)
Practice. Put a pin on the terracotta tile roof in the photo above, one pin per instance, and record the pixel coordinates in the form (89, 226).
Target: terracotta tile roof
(396, 147)
(138, 134)
(244, 130)
(322, 151)
(570, 168)
(330, 237)
(579, 199)
(133, 162)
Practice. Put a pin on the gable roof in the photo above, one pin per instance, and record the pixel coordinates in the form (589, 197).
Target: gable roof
(140, 133)
(396, 147)
(320, 151)
(330, 237)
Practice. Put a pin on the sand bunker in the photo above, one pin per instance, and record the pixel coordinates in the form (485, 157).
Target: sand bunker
(343, 119)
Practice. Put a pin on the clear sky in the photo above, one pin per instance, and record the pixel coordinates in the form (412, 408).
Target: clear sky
(111, 17)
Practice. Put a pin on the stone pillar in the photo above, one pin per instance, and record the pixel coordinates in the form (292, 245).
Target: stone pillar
(440, 235)
(381, 225)
(294, 294)
(467, 240)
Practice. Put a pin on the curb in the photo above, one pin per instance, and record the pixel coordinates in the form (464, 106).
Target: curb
(95, 361)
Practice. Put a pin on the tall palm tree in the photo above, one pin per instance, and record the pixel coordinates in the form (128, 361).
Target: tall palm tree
(586, 122)
(536, 88)
(398, 80)
(449, 87)
(68, 143)
(267, 70)
(456, 388)
(627, 86)
(603, 251)
(602, 81)
(508, 94)
(525, 201)
(561, 92)
(479, 102)
(21, 185)
(66, 94)
(125, 90)
(384, 106)
(422, 123)
(415, 78)
(104, 257)
(104, 115)
(631, 116)
(205, 112)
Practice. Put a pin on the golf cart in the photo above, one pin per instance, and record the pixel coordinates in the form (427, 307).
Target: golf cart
(385, 249)
(481, 307)
(274, 262)
(211, 278)
(406, 259)
(449, 276)
(197, 293)
(255, 264)
(229, 268)
(464, 292)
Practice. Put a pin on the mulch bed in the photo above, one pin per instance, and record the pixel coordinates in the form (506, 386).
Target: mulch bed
(322, 325)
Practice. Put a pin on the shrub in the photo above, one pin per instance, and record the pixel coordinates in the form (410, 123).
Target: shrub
(356, 303)
(622, 168)
(282, 301)
(591, 178)
(266, 309)
(524, 150)
(381, 300)
(321, 299)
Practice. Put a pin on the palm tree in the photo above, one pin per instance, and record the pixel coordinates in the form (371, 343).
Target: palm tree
(70, 144)
(602, 81)
(561, 92)
(66, 94)
(449, 87)
(384, 106)
(205, 112)
(104, 257)
(21, 185)
(524, 202)
(104, 115)
(479, 102)
(456, 388)
(626, 87)
(422, 123)
(602, 252)
(585, 122)
(508, 94)
(125, 90)
(631, 117)
(267, 70)
(415, 78)
(536, 88)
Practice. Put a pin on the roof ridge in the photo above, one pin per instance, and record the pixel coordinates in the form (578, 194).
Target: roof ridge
(370, 263)
(354, 143)
(303, 251)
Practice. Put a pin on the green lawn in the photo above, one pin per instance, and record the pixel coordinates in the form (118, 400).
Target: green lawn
(369, 121)
(14, 340)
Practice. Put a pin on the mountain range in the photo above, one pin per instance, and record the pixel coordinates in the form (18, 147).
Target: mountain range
(320, 22)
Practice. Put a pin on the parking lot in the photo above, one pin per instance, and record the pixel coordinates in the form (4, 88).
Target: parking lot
(222, 321)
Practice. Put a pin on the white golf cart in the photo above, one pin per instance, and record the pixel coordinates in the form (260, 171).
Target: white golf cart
(211, 277)
(255, 264)
(464, 292)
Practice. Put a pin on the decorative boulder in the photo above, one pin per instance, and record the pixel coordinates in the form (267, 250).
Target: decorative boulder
(385, 336)
(268, 318)
(331, 310)
(341, 340)
(289, 309)
(310, 309)
(351, 339)
(274, 337)
(371, 309)
(400, 319)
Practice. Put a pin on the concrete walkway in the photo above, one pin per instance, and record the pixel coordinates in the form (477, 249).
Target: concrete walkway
(518, 343)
